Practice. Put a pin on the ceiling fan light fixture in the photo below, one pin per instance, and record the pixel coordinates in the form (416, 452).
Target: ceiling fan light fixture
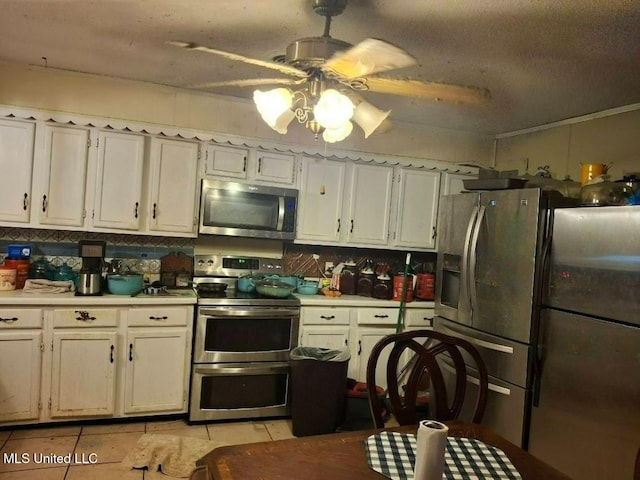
(333, 110)
(368, 117)
(272, 104)
(283, 121)
(332, 135)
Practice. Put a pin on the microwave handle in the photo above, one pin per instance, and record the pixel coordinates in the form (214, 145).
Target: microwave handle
(280, 213)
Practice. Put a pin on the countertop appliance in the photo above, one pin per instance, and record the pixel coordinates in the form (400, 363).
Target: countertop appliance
(585, 419)
(90, 277)
(488, 290)
(242, 210)
(242, 342)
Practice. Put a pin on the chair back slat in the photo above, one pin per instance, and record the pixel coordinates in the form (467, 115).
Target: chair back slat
(427, 346)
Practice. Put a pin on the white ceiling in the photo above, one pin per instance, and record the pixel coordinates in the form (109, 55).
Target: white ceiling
(542, 60)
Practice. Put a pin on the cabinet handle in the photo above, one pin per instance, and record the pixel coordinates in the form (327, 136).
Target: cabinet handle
(433, 233)
(155, 205)
(327, 317)
(12, 319)
(44, 203)
(157, 318)
(244, 166)
(381, 316)
(351, 231)
(338, 225)
(111, 353)
(359, 347)
(84, 316)
(259, 164)
(131, 352)
(25, 201)
(136, 210)
(346, 342)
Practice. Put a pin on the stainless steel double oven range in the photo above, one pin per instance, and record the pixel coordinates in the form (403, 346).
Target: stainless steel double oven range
(242, 343)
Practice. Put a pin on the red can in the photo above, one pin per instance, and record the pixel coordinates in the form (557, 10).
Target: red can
(397, 288)
(22, 270)
(425, 286)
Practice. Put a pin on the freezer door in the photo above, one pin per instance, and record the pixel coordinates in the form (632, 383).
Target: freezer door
(456, 220)
(503, 261)
(504, 359)
(506, 404)
(586, 420)
(595, 262)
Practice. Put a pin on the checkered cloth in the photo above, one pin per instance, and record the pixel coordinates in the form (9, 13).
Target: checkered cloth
(394, 454)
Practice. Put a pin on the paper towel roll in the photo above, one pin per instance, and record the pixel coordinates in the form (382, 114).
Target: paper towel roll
(431, 443)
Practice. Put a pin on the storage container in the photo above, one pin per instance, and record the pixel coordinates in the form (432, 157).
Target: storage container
(19, 252)
(22, 270)
(7, 278)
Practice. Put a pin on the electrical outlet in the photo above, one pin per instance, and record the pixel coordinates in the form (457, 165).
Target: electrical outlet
(328, 266)
(316, 256)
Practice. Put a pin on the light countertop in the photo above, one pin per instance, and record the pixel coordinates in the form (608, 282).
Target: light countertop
(20, 298)
(357, 301)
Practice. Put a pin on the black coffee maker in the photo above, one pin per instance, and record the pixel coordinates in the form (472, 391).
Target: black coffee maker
(90, 277)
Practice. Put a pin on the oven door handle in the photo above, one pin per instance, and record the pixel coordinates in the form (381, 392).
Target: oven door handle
(248, 313)
(235, 369)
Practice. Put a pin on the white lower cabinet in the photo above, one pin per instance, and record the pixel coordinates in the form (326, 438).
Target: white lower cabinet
(20, 364)
(83, 373)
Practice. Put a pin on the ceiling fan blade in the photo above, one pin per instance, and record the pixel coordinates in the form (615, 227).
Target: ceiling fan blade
(367, 57)
(250, 82)
(441, 92)
(282, 68)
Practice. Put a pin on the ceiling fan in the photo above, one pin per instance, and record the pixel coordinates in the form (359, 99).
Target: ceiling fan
(331, 74)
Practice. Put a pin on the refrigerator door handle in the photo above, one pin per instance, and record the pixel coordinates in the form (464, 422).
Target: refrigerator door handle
(473, 257)
(480, 343)
(464, 268)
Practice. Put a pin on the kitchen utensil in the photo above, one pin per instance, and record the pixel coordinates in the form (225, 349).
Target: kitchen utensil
(593, 170)
(308, 288)
(291, 280)
(602, 191)
(211, 288)
(270, 287)
(89, 283)
(125, 283)
(246, 284)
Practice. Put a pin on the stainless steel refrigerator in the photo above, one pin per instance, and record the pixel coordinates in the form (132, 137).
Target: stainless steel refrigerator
(489, 278)
(585, 419)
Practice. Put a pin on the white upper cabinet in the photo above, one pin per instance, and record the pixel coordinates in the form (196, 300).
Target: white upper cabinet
(369, 204)
(320, 200)
(16, 163)
(226, 161)
(275, 167)
(416, 209)
(173, 176)
(61, 177)
(118, 190)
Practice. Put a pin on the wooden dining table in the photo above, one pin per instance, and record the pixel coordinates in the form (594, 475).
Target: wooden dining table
(342, 456)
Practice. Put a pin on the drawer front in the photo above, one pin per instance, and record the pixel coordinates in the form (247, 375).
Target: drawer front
(20, 318)
(377, 316)
(422, 317)
(325, 316)
(159, 316)
(85, 317)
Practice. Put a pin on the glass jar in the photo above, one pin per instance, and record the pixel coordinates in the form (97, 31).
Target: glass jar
(602, 191)
(366, 278)
(348, 278)
(383, 288)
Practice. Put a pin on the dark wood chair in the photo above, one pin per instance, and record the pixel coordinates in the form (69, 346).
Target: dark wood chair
(636, 472)
(428, 346)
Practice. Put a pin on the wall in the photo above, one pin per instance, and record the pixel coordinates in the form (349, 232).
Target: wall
(608, 137)
(51, 89)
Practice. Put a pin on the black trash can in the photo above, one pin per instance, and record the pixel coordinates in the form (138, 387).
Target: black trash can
(318, 382)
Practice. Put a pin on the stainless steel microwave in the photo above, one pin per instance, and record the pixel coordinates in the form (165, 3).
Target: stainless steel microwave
(241, 210)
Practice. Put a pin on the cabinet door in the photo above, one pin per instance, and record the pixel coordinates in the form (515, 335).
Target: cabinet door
(369, 204)
(325, 337)
(64, 176)
(275, 167)
(20, 360)
(16, 164)
(83, 374)
(320, 200)
(174, 174)
(119, 181)
(226, 161)
(417, 209)
(366, 338)
(156, 371)
(453, 183)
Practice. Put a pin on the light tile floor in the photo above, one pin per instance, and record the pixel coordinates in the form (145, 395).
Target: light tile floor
(110, 443)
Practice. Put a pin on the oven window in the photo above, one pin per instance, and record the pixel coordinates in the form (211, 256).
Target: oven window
(233, 209)
(247, 335)
(243, 391)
